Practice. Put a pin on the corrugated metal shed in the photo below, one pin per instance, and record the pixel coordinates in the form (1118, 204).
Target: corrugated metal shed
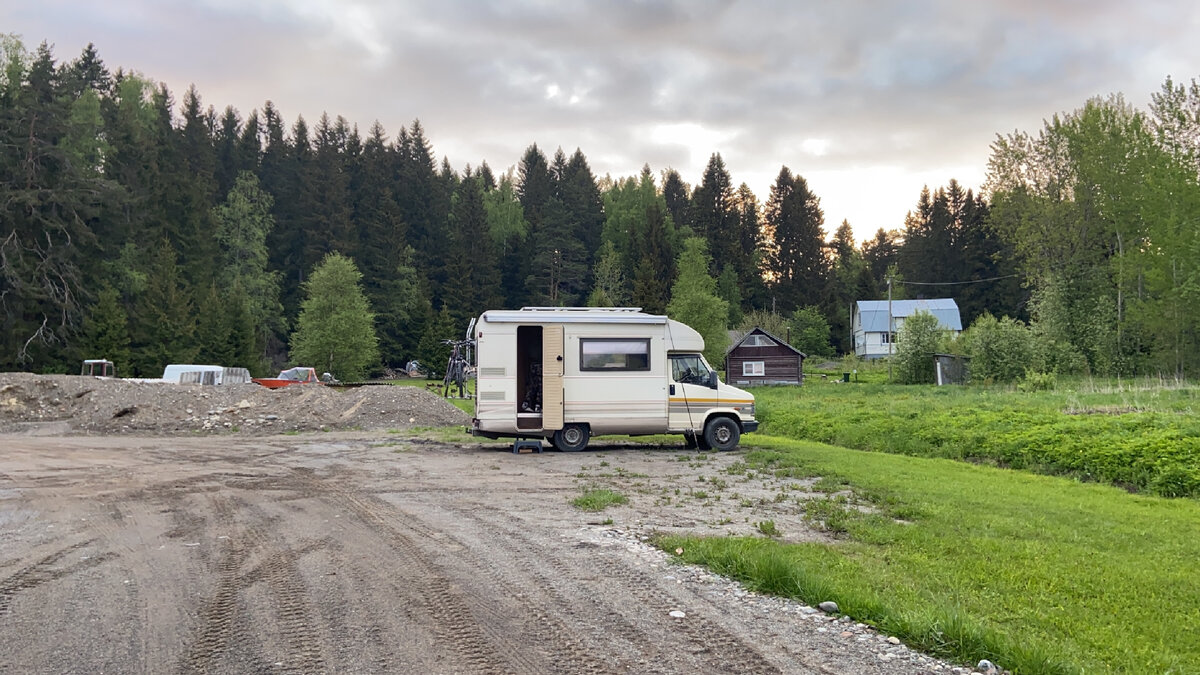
(874, 313)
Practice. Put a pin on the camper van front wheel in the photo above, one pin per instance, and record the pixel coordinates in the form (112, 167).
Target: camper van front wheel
(571, 438)
(722, 433)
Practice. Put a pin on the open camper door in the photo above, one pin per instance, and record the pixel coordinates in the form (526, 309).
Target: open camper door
(552, 377)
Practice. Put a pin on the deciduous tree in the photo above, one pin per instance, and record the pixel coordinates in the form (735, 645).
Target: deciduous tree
(694, 300)
(335, 332)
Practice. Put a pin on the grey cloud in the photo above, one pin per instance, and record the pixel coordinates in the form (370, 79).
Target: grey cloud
(919, 84)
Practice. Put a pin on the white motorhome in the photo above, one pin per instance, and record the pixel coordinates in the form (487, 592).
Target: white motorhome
(568, 374)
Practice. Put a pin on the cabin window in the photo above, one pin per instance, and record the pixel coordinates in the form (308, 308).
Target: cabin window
(754, 368)
(758, 341)
(614, 354)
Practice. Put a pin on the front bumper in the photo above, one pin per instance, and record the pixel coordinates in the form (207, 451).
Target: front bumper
(749, 426)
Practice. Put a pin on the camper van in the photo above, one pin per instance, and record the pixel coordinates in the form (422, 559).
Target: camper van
(567, 374)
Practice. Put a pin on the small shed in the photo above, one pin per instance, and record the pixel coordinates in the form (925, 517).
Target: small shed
(761, 358)
(952, 368)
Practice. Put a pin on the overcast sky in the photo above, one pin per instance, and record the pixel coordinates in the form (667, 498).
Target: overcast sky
(869, 101)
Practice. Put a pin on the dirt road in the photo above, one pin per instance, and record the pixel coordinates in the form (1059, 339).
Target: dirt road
(382, 553)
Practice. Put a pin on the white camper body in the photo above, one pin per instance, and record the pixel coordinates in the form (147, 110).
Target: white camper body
(186, 373)
(567, 374)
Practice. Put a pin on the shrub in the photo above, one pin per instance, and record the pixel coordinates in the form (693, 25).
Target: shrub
(810, 332)
(1000, 349)
(1037, 381)
(918, 339)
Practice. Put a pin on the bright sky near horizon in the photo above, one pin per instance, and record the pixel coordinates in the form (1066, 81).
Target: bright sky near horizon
(868, 100)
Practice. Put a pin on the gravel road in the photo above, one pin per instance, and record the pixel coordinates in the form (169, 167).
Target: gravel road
(383, 552)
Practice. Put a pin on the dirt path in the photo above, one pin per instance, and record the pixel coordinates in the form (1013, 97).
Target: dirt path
(383, 553)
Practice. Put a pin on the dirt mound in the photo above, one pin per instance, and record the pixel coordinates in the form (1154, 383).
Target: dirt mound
(96, 405)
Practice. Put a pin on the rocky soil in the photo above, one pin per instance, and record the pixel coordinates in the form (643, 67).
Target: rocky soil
(74, 404)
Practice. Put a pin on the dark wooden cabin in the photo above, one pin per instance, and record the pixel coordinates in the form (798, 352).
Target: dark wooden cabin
(762, 358)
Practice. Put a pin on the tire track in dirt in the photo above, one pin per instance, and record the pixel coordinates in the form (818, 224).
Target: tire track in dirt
(535, 557)
(44, 571)
(218, 614)
(281, 572)
(454, 624)
(556, 640)
(728, 653)
(278, 568)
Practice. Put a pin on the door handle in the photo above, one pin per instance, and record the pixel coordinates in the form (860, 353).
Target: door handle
(672, 390)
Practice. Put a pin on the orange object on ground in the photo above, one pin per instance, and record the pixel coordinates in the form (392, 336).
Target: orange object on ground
(298, 375)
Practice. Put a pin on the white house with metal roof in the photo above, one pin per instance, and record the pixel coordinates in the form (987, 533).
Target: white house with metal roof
(872, 339)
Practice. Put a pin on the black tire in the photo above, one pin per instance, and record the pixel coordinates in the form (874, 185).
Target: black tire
(572, 437)
(689, 441)
(722, 434)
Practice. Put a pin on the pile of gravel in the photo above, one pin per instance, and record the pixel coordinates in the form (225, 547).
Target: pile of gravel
(108, 406)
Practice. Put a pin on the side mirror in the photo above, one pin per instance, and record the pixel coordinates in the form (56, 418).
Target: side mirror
(712, 379)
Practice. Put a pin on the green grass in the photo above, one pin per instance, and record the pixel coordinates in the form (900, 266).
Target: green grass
(464, 404)
(598, 499)
(1145, 439)
(1037, 573)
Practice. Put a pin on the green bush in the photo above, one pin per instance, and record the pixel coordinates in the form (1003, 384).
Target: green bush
(1000, 349)
(810, 332)
(1037, 381)
(917, 340)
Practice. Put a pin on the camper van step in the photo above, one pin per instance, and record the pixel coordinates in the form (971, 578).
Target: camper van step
(532, 444)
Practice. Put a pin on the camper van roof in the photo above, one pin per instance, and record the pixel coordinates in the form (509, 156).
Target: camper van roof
(573, 315)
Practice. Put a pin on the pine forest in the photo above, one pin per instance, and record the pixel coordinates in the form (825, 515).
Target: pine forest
(150, 228)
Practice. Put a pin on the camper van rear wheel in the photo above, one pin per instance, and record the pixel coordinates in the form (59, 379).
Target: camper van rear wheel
(572, 438)
(722, 433)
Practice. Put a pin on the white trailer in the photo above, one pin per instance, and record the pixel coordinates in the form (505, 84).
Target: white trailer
(567, 374)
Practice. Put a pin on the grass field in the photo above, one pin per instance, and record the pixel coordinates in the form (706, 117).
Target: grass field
(1066, 573)
(1144, 438)
(1037, 573)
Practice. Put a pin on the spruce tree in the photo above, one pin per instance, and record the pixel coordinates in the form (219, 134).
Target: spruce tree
(675, 195)
(609, 289)
(46, 205)
(557, 271)
(243, 227)
(713, 212)
(106, 330)
(797, 264)
(430, 350)
(581, 197)
(213, 329)
(406, 310)
(508, 230)
(729, 291)
(473, 278)
(166, 315)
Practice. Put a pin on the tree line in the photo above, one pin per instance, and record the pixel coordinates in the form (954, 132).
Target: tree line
(153, 232)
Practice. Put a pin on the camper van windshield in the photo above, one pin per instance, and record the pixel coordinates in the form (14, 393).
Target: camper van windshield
(689, 369)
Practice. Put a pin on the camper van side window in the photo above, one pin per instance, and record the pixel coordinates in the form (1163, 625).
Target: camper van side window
(614, 354)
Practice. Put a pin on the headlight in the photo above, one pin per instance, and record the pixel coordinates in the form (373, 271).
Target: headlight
(747, 410)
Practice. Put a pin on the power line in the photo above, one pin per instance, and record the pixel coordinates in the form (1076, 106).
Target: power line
(954, 283)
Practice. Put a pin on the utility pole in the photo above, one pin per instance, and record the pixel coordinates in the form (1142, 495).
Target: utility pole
(889, 330)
